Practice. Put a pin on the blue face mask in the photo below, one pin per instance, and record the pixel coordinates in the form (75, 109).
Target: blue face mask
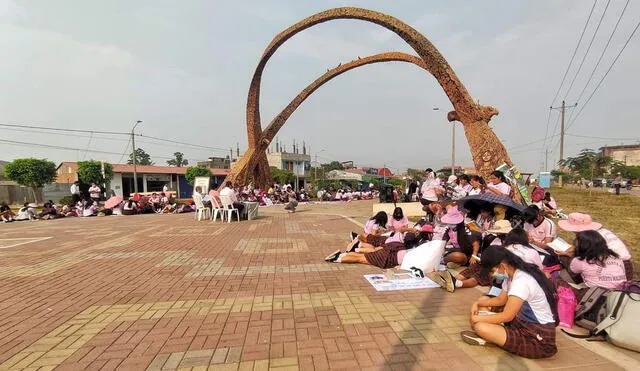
(500, 276)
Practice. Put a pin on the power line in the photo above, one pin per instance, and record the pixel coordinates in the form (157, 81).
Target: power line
(67, 130)
(574, 53)
(67, 148)
(126, 147)
(588, 49)
(615, 28)
(182, 143)
(605, 75)
(605, 138)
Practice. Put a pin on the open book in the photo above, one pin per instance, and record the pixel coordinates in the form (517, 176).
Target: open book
(558, 244)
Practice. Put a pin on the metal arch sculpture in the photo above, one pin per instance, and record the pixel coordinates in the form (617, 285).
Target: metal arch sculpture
(276, 124)
(486, 149)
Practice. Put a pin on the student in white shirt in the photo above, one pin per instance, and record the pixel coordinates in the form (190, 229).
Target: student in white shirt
(529, 308)
(498, 184)
(228, 191)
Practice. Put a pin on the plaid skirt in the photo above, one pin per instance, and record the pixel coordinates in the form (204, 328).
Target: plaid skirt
(628, 269)
(474, 272)
(376, 240)
(386, 257)
(530, 340)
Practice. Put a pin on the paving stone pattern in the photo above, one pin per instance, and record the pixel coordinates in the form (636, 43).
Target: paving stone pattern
(164, 292)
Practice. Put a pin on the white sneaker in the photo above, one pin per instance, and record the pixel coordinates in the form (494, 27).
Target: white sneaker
(472, 338)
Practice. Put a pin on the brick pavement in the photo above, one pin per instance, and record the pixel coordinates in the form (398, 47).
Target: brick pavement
(163, 292)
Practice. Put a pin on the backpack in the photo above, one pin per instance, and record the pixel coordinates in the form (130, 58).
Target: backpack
(537, 194)
(614, 312)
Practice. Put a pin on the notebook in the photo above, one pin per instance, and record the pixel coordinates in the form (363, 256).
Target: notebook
(558, 244)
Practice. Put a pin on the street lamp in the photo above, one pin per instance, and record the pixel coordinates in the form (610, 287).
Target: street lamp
(133, 144)
(453, 144)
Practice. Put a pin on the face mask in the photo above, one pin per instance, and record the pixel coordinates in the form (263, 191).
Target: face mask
(500, 276)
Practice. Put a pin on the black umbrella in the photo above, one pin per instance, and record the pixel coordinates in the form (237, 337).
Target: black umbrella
(477, 201)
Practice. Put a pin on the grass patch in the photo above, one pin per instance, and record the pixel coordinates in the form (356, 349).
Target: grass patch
(620, 214)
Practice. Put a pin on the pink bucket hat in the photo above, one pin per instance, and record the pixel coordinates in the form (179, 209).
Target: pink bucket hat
(453, 216)
(579, 222)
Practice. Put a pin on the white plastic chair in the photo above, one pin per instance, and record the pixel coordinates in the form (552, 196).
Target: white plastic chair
(201, 210)
(215, 209)
(227, 205)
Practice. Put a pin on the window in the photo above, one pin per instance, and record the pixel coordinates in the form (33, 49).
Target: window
(69, 169)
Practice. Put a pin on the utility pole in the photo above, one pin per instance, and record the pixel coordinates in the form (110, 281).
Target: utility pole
(562, 109)
(135, 165)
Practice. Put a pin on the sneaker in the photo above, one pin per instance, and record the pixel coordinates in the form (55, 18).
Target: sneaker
(450, 281)
(472, 338)
(353, 246)
(333, 256)
(353, 236)
(444, 279)
(452, 265)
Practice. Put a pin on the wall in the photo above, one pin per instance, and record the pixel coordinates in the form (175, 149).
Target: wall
(15, 194)
(629, 156)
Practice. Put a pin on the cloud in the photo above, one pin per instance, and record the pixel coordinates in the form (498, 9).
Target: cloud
(10, 10)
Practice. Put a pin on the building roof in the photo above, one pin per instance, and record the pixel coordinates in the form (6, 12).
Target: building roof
(149, 169)
(624, 146)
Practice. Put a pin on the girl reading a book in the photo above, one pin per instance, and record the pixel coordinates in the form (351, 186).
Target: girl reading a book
(529, 308)
(597, 265)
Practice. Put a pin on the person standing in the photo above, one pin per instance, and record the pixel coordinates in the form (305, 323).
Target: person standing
(94, 192)
(617, 183)
(75, 191)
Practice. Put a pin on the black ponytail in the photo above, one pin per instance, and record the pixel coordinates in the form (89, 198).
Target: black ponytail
(491, 258)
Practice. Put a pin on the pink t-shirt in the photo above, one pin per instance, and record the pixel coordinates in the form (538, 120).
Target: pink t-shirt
(611, 276)
(615, 244)
(453, 238)
(546, 229)
(371, 226)
(397, 237)
(394, 225)
(502, 187)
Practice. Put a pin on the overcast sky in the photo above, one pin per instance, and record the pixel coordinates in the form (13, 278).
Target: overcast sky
(183, 68)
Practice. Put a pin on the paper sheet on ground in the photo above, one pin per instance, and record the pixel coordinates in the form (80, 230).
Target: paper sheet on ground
(381, 283)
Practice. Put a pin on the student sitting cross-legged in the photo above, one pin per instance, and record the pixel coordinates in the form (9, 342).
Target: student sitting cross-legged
(526, 325)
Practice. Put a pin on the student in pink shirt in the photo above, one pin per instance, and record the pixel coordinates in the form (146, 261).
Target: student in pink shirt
(498, 184)
(595, 263)
(578, 222)
(398, 220)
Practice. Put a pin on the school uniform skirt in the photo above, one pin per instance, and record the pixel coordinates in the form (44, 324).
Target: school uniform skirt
(474, 272)
(376, 240)
(530, 340)
(386, 257)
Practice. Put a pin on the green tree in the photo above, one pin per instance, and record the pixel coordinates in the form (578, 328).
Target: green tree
(395, 182)
(629, 172)
(178, 160)
(142, 158)
(196, 171)
(91, 172)
(589, 164)
(31, 172)
(282, 176)
(333, 165)
(416, 174)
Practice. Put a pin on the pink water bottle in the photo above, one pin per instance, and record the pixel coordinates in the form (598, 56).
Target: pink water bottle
(566, 306)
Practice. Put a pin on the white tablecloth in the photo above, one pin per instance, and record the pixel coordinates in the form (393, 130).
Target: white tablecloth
(250, 210)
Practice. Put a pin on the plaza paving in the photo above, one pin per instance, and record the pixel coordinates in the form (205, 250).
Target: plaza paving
(166, 292)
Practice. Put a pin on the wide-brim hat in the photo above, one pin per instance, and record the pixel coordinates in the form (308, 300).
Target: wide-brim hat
(579, 222)
(453, 216)
(501, 227)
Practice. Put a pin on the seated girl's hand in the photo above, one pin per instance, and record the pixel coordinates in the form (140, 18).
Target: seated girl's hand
(474, 309)
(473, 260)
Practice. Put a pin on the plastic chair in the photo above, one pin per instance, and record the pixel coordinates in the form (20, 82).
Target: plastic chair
(215, 209)
(201, 210)
(227, 205)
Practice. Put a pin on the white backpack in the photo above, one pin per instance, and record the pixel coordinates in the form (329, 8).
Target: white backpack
(425, 257)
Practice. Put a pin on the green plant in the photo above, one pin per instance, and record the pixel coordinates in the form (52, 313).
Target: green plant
(142, 158)
(31, 172)
(282, 176)
(196, 171)
(91, 172)
(66, 200)
(178, 160)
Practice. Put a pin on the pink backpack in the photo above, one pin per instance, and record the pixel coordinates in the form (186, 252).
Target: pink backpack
(537, 194)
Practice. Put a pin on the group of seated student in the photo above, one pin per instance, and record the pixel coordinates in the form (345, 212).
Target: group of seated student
(434, 189)
(28, 211)
(518, 260)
